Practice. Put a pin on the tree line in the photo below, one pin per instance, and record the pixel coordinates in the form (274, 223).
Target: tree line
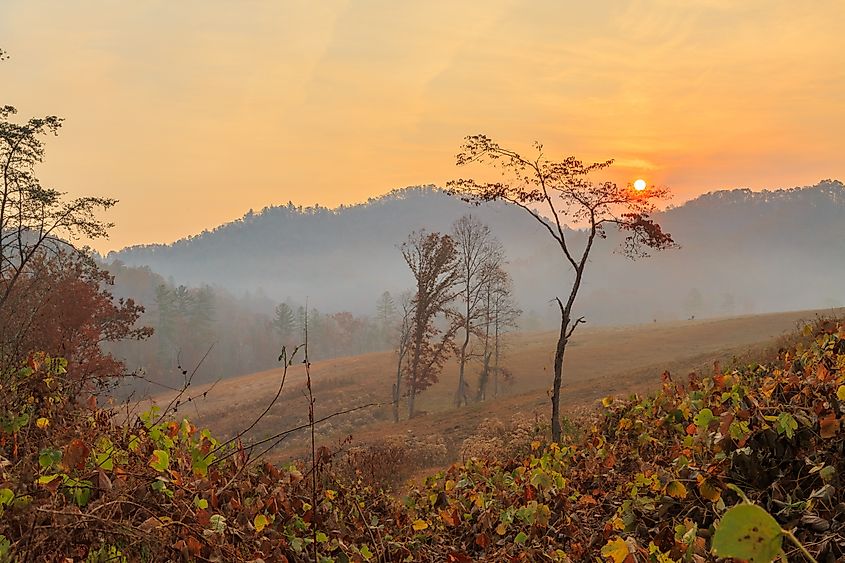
(233, 335)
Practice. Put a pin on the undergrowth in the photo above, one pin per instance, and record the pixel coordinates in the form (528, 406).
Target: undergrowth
(649, 478)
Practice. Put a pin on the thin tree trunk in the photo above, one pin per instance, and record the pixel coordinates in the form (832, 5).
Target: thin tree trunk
(412, 393)
(396, 399)
(559, 352)
(496, 361)
(485, 369)
(461, 395)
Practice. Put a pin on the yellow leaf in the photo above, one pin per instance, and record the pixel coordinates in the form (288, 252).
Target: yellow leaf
(330, 494)
(615, 550)
(502, 529)
(260, 522)
(606, 402)
(535, 445)
(419, 525)
(709, 490)
(42, 423)
(676, 489)
(450, 485)
(840, 393)
(618, 523)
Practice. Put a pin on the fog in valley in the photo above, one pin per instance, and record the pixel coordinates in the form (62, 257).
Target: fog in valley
(741, 252)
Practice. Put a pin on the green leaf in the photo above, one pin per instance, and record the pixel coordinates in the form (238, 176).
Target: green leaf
(79, 491)
(322, 538)
(786, 424)
(104, 460)
(260, 522)
(6, 496)
(366, 553)
(748, 532)
(218, 523)
(704, 418)
(520, 538)
(160, 460)
(49, 457)
(47, 479)
(200, 503)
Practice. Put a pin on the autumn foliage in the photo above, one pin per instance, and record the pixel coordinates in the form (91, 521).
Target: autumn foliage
(646, 479)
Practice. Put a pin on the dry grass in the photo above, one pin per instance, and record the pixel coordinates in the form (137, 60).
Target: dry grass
(599, 362)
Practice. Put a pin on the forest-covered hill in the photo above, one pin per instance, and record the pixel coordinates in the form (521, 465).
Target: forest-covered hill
(741, 252)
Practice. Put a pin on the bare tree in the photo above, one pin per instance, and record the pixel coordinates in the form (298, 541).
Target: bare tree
(501, 316)
(403, 338)
(479, 255)
(562, 190)
(431, 258)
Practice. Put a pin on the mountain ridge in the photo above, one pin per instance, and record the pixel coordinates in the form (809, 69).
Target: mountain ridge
(344, 257)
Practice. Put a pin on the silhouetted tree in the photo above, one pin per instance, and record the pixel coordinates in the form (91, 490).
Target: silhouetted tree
(386, 316)
(35, 220)
(431, 258)
(284, 321)
(563, 190)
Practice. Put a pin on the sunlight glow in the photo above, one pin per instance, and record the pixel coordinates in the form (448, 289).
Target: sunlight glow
(640, 185)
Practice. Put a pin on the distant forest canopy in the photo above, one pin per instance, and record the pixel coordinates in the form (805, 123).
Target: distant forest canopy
(231, 335)
(741, 252)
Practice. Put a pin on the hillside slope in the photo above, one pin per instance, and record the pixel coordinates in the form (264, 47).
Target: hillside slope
(605, 361)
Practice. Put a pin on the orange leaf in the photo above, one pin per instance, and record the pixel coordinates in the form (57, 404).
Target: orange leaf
(587, 500)
(449, 517)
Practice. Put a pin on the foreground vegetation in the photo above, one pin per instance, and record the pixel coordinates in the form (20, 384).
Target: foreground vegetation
(647, 479)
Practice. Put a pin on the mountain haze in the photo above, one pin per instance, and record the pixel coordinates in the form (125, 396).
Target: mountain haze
(741, 252)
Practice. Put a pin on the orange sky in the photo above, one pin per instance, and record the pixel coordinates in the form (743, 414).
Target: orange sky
(193, 111)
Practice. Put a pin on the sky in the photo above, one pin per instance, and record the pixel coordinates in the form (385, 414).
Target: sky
(192, 112)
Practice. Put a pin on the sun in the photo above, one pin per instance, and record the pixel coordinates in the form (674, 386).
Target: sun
(640, 185)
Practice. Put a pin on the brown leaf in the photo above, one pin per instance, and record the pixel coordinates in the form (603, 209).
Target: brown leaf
(75, 454)
(482, 541)
(828, 426)
(194, 546)
(103, 481)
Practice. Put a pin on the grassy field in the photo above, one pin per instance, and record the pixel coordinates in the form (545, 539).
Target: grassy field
(599, 362)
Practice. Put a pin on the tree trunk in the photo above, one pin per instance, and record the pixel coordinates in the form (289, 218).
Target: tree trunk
(412, 392)
(484, 377)
(461, 395)
(559, 352)
(396, 402)
(496, 363)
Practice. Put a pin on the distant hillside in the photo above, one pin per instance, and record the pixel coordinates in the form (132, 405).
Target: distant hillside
(742, 251)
